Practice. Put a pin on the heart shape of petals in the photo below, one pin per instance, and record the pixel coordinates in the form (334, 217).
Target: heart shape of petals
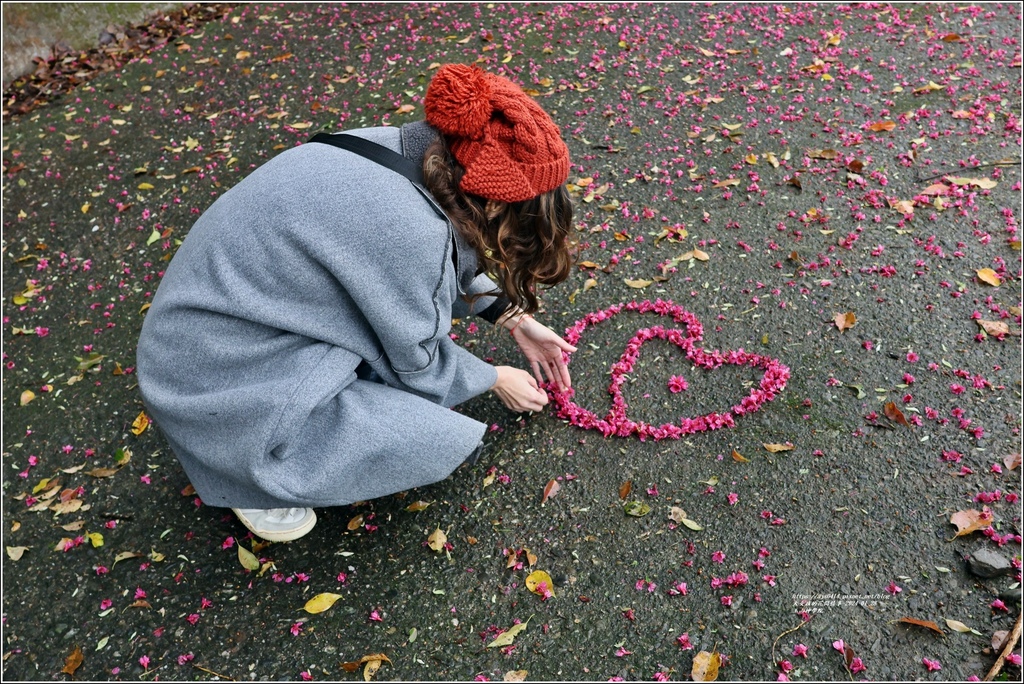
(618, 423)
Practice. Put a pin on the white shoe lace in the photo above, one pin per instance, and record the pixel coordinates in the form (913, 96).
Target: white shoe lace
(285, 515)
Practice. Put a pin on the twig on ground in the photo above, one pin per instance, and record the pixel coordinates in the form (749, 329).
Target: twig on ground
(788, 631)
(216, 674)
(1011, 641)
(1001, 162)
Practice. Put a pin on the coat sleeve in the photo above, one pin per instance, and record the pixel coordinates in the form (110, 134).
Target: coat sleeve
(403, 282)
(489, 304)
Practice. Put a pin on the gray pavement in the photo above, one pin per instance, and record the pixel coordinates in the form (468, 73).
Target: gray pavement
(764, 167)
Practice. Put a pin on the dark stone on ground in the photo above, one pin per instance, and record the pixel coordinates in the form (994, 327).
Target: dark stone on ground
(984, 562)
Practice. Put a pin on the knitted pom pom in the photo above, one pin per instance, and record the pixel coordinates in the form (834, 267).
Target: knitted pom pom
(458, 101)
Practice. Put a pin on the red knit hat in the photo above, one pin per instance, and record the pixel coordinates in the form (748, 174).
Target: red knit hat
(508, 145)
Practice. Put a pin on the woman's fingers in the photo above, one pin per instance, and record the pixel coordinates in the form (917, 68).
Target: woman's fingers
(563, 373)
(536, 372)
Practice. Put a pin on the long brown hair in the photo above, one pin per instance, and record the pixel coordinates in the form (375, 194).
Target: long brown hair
(523, 244)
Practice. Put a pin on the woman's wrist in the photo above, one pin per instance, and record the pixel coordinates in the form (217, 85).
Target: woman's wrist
(512, 318)
(517, 322)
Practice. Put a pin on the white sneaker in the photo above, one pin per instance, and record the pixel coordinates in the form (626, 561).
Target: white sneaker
(277, 524)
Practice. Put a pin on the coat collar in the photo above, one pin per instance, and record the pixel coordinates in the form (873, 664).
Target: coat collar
(416, 138)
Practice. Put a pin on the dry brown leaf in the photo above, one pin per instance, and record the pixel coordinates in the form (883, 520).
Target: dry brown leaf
(417, 506)
(932, 85)
(936, 190)
(705, 666)
(893, 413)
(823, 154)
(1011, 461)
(988, 276)
(102, 472)
(970, 520)
(727, 183)
(65, 507)
(588, 264)
(699, 255)
(994, 328)
(776, 448)
(356, 522)
(905, 207)
(999, 639)
(638, 284)
(739, 458)
(515, 676)
(927, 624)
(73, 661)
(879, 126)
(845, 320)
(855, 166)
(625, 489)
(550, 490)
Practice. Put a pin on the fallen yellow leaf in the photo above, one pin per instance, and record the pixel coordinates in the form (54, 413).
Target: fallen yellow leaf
(507, 637)
(249, 561)
(437, 540)
(140, 423)
(320, 602)
(705, 666)
(776, 448)
(535, 579)
(987, 275)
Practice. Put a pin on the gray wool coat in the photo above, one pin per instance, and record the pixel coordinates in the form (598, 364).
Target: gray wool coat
(318, 263)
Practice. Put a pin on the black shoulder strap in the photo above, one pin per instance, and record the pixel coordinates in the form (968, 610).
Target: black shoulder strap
(384, 156)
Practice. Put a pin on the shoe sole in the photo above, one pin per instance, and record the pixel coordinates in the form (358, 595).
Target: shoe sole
(278, 535)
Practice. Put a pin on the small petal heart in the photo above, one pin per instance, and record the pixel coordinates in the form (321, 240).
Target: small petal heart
(617, 423)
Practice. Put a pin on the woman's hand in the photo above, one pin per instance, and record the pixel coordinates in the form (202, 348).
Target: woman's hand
(543, 348)
(518, 390)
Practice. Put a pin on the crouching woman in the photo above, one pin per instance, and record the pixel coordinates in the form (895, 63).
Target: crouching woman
(297, 351)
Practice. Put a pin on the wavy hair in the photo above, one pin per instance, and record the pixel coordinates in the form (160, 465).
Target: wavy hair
(521, 244)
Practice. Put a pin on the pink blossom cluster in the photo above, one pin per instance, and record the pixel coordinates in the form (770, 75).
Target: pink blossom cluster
(617, 423)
